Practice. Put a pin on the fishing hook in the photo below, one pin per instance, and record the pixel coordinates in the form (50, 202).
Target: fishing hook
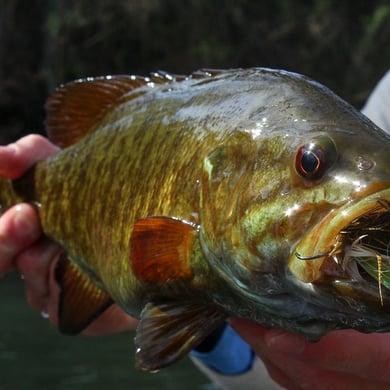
(300, 257)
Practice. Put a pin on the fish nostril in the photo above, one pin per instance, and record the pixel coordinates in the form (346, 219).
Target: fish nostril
(364, 164)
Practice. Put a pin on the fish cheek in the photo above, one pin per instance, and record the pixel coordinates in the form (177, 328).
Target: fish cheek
(225, 171)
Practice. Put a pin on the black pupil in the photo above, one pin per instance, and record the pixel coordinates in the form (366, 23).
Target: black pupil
(309, 162)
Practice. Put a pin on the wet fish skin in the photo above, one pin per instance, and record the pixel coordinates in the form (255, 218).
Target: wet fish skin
(208, 163)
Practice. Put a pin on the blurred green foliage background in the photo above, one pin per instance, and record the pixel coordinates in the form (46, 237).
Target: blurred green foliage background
(343, 44)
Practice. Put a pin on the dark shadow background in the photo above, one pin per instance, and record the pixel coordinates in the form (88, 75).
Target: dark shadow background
(343, 44)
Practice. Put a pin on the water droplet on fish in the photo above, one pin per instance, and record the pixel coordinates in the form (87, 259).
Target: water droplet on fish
(45, 314)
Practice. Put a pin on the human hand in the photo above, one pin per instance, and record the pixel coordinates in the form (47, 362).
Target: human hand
(344, 359)
(23, 246)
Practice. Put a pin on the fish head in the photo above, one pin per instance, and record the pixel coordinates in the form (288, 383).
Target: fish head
(300, 212)
(347, 244)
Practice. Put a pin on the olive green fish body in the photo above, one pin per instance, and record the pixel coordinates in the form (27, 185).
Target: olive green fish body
(155, 145)
(245, 192)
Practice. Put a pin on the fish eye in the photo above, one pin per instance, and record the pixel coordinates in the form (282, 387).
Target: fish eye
(315, 157)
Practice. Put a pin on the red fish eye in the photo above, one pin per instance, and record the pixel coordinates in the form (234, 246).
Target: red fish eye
(310, 161)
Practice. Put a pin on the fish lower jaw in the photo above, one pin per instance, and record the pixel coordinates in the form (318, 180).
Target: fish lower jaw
(349, 247)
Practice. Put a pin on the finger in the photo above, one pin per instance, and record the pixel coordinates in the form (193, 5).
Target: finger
(17, 157)
(363, 355)
(113, 320)
(19, 228)
(368, 355)
(285, 351)
(278, 375)
(305, 376)
(254, 335)
(34, 265)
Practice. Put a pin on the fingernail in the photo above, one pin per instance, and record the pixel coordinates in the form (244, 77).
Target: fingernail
(23, 225)
(288, 343)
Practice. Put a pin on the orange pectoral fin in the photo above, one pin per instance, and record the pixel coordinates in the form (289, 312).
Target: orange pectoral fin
(160, 248)
(81, 301)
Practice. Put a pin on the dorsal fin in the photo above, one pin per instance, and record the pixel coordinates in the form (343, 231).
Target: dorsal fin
(205, 73)
(75, 108)
(162, 77)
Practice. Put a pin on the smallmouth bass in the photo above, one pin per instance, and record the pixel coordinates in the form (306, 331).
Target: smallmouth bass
(254, 193)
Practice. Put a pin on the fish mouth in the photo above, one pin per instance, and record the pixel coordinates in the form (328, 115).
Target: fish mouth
(350, 249)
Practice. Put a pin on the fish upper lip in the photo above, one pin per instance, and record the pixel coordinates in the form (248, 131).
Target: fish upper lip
(321, 242)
